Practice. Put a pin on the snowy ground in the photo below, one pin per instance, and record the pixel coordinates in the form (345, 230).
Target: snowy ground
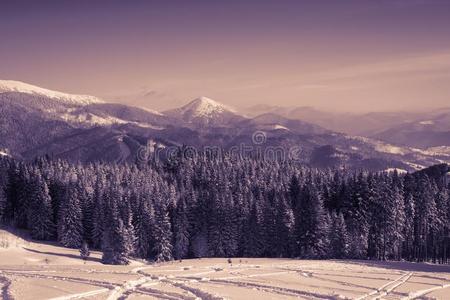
(36, 271)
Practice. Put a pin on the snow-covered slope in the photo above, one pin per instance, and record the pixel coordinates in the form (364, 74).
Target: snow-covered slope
(21, 87)
(203, 107)
(204, 111)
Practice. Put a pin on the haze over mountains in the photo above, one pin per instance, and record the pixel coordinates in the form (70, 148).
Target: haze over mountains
(36, 121)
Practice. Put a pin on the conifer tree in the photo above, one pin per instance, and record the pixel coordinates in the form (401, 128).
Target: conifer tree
(162, 234)
(339, 239)
(311, 226)
(3, 205)
(70, 226)
(40, 210)
(181, 230)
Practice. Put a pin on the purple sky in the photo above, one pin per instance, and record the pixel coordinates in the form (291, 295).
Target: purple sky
(361, 55)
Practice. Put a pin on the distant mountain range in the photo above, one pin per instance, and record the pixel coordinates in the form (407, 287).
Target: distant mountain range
(36, 121)
(421, 130)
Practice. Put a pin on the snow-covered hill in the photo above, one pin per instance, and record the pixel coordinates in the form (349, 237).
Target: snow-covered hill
(204, 111)
(8, 86)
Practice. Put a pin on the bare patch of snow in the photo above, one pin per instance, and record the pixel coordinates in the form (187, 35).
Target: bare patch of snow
(415, 166)
(399, 171)
(278, 126)
(428, 122)
(387, 148)
(152, 111)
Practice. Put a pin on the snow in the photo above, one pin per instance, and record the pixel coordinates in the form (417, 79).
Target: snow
(91, 119)
(415, 166)
(399, 171)
(94, 120)
(428, 122)
(387, 148)
(434, 151)
(382, 146)
(204, 107)
(278, 126)
(21, 87)
(152, 111)
(35, 271)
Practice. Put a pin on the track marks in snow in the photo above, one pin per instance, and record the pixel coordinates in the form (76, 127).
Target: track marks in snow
(104, 284)
(273, 289)
(81, 295)
(387, 288)
(4, 285)
(420, 293)
(121, 292)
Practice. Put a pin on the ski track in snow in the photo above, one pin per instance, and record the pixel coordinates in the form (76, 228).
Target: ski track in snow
(420, 293)
(81, 295)
(387, 288)
(121, 292)
(191, 283)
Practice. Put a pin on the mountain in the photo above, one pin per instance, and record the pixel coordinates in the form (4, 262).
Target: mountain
(431, 130)
(12, 86)
(204, 111)
(365, 124)
(35, 122)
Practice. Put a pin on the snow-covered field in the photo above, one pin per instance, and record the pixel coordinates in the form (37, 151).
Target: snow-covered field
(36, 271)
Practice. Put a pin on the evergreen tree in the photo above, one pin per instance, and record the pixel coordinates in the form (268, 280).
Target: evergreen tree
(3, 204)
(181, 230)
(40, 210)
(311, 226)
(253, 243)
(162, 234)
(144, 228)
(70, 226)
(339, 239)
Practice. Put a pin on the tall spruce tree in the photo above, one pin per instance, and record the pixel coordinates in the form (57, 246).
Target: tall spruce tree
(181, 230)
(70, 224)
(162, 234)
(311, 226)
(40, 217)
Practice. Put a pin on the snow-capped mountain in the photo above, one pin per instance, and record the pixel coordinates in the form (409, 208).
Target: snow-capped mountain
(204, 111)
(430, 130)
(12, 86)
(36, 121)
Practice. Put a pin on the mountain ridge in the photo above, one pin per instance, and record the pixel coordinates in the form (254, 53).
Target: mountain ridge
(34, 124)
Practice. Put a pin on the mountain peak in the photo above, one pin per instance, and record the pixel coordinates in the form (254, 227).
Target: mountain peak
(204, 107)
(204, 111)
(21, 87)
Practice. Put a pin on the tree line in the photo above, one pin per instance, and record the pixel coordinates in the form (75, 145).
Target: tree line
(204, 207)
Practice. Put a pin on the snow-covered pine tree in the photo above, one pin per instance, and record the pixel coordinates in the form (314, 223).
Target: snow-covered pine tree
(3, 204)
(311, 226)
(356, 194)
(40, 210)
(181, 230)
(338, 237)
(98, 220)
(143, 221)
(408, 228)
(162, 234)
(253, 243)
(70, 225)
(117, 240)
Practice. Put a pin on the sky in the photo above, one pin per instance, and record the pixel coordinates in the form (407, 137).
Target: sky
(348, 55)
